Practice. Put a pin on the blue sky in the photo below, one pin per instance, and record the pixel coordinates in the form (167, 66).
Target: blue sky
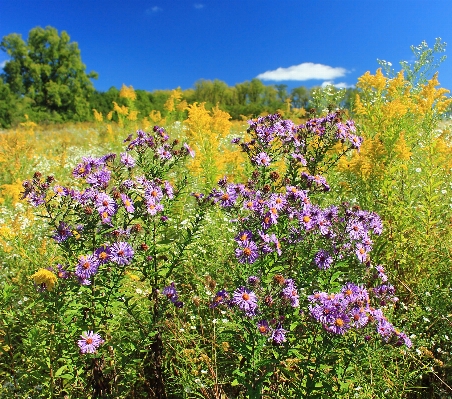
(165, 44)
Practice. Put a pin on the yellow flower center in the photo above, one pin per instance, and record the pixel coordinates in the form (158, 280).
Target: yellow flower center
(339, 322)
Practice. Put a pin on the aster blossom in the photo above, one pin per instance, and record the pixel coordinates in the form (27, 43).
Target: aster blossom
(87, 266)
(247, 252)
(121, 253)
(89, 342)
(246, 300)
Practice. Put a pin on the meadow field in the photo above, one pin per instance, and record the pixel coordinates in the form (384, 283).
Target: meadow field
(304, 254)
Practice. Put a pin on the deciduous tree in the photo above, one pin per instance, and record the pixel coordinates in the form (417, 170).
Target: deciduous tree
(48, 69)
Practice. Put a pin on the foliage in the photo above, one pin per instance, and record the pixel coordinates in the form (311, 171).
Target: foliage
(250, 270)
(47, 69)
(403, 172)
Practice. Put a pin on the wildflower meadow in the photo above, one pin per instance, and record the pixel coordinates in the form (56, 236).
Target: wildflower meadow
(304, 253)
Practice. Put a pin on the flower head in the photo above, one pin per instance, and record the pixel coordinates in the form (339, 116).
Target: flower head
(45, 279)
(323, 259)
(121, 253)
(278, 335)
(89, 342)
(246, 300)
(127, 160)
(247, 252)
(87, 266)
(62, 232)
(262, 159)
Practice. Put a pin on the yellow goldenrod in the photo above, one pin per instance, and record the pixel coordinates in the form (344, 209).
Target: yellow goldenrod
(127, 92)
(98, 115)
(44, 276)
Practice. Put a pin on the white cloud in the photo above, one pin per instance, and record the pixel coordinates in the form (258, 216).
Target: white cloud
(3, 63)
(341, 85)
(153, 10)
(198, 6)
(304, 71)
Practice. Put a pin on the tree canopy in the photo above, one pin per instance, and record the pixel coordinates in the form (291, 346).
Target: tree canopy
(48, 70)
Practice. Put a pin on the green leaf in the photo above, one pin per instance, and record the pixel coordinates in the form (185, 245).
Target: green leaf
(60, 370)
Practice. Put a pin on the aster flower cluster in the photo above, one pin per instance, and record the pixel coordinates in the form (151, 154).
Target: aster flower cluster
(268, 305)
(158, 142)
(272, 137)
(171, 294)
(102, 221)
(266, 217)
(278, 221)
(351, 308)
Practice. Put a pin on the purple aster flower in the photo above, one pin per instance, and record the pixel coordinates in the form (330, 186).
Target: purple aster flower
(299, 158)
(221, 297)
(60, 190)
(290, 293)
(128, 204)
(225, 198)
(247, 252)
(35, 199)
(62, 272)
(323, 259)
(86, 267)
(127, 160)
(246, 300)
(243, 236)
(339, 325)
(83, 168)
(262, 159)
(385, 329)
(153, 207)
(236, 140)
(164, 153)
(121, 253)
(353, 293)
(306, 219)
(170, 292)
(105, 204)
(152, 192)
(381, 273)
(358, 317)
(263, 327)
(403, 339)
(168, 189)
(277, 201)
(189, 150)
(361, 253)
(62, 232)
(105, 218)
(356, 230)
(271, 243)
(355, 141)
(102, 254)
(99, 178)
(293, 192)
(89, 342)
(279, 335)
(376, 224)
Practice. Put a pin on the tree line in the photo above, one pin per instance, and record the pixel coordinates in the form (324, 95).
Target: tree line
(46, 80)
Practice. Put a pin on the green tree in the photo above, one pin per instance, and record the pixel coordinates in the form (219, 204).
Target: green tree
(48, 69)
(300, 97)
